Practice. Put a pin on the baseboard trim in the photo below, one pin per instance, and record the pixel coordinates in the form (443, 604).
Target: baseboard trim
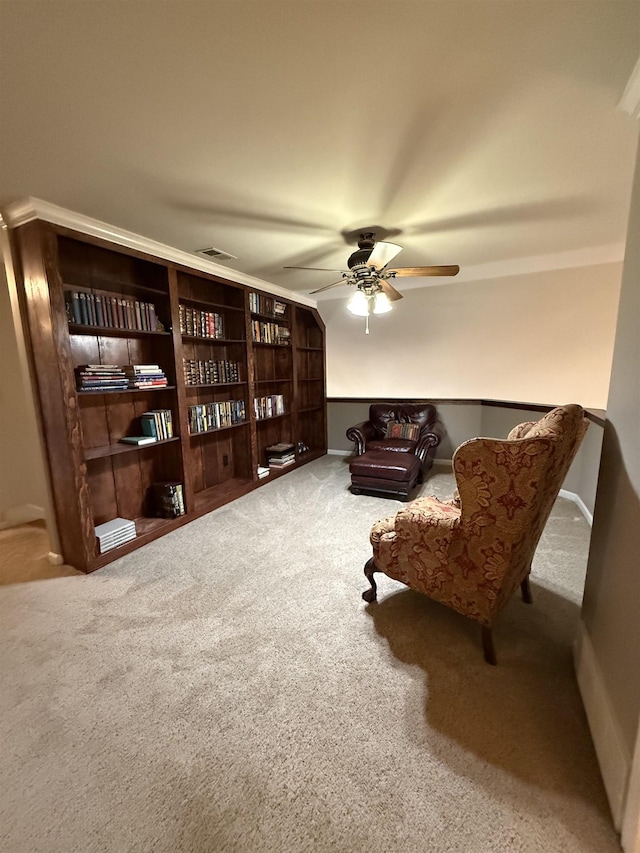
(21, 515)
(443, 463)
(577, 500)
(613, 756)
(340, 452)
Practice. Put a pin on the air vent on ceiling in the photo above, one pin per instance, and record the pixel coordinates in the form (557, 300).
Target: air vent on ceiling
(216, 254)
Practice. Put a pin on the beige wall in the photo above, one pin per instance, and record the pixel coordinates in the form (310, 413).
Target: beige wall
(611, 610)
(545, 337)
(22, 475)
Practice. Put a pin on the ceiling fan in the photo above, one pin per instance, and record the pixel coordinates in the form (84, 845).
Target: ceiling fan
(369, 270)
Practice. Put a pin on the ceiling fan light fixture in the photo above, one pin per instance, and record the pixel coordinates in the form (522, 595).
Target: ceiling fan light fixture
(381, 304)
(359, 304)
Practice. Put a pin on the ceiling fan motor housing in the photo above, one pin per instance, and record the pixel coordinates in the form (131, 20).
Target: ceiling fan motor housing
(363, 252)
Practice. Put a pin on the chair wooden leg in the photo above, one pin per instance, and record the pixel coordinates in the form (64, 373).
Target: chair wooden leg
(526, 591)
(487, 645)
(370, 595)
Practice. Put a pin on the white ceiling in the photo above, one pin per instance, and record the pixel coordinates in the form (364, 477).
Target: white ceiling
(483, 133)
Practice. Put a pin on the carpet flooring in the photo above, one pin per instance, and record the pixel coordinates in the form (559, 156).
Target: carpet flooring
(225, 688)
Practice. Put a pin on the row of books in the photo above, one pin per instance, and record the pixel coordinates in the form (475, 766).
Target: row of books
(156, 425)
(270, 333)
(167, 499)
(268, 407)
(113, 377)
(259, 304)
(202, 324)
(198, 372)
(280, 455)
(111, 312)
(207, 416)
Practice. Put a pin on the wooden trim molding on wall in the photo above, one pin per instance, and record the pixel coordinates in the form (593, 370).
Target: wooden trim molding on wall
(597, 416)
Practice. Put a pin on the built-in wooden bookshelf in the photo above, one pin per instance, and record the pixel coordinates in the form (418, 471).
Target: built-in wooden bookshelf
(244, 370)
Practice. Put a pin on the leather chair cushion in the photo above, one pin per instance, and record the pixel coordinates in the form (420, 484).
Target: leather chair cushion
(395, 445)
(385, 465)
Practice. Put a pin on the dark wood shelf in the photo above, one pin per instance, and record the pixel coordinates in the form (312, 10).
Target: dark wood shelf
(117, 289)
(220, 493)
(213, 340)
(302, 459)
(272, 318)
(217, 429)
(93, 484)
(189, 385)
(85, 393)
(147, 529)
(212, 306)
(272, 418)
(119, 447)
(112, 331)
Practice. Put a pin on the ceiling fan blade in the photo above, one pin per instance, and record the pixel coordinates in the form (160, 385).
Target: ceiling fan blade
(390, 291)
(335, 284)
(382, 254)
(404, 272)
(321, 269)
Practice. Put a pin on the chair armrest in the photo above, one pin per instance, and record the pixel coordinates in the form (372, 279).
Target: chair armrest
(414, 545)
(430, 439)
(424, 513)
(361, 434)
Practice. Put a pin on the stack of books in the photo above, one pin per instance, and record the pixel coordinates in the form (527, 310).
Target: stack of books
(157, 424)
(168, 499)
(145, 376)
(113, 533)
(280, 455)
(101, 378)
(263, 472)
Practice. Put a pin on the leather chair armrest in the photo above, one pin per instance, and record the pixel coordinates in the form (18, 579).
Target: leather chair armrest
(429, 440)
(361, 434)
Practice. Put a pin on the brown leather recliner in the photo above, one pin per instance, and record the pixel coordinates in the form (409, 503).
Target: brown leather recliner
(371, 435)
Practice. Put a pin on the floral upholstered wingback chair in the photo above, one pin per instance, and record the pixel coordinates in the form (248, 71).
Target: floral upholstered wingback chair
(472, 552)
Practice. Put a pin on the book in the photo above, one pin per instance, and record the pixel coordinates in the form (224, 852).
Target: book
(167, 499)
(139, 439)
(116, 532)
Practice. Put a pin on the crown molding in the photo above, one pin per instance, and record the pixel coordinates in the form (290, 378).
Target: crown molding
(28, 209)
(630, 101)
